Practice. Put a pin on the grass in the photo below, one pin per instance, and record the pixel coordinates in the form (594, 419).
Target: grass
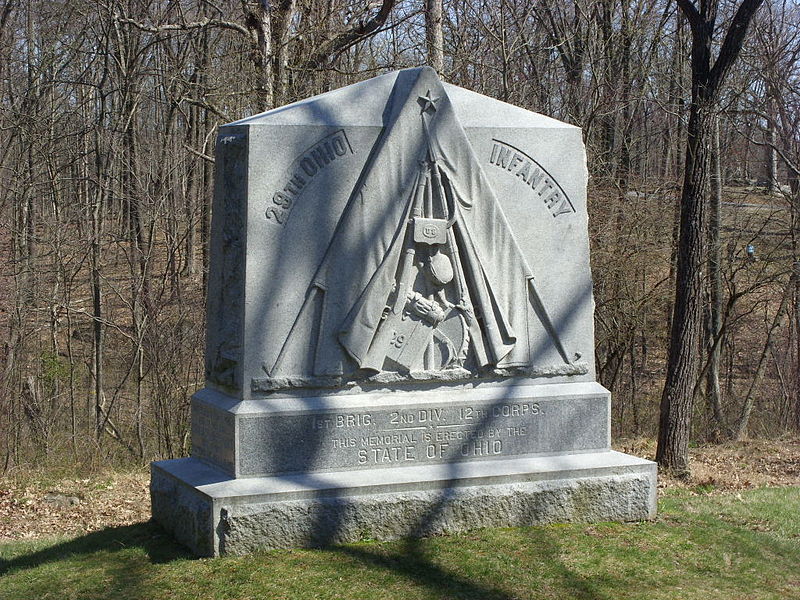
(728, 546)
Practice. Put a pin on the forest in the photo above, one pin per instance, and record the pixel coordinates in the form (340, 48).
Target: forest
(108, 117)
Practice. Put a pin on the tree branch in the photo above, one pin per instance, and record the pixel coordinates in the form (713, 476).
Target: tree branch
(198, 153)
(732, 45)
(790, 165)
(342, 41)
(691, 13)
(207, 22)
(6, 12)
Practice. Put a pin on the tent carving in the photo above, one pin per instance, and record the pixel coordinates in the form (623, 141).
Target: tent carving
(423, 278)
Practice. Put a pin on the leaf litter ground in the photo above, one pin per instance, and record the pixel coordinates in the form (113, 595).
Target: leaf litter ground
(36, 504)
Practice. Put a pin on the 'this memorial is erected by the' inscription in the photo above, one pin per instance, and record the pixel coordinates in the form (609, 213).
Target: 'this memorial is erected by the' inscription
(400, 336)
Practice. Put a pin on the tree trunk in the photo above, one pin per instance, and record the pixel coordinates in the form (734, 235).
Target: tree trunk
(794, 216)
(434, 35)
(683, 362)
(260, 26)
(771, 145)
(713, 393)
(97, 321)
(280, 48)
(682, 368)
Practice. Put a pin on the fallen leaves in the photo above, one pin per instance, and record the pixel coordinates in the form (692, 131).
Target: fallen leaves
(31, 509)
(732, 465)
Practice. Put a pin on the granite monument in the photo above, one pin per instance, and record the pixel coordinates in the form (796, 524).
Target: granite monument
(400, 337)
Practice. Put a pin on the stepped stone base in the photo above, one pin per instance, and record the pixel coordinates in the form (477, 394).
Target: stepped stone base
(213, 513)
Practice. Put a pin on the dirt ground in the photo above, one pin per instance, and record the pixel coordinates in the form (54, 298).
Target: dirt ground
(34, 505)
(732, 465)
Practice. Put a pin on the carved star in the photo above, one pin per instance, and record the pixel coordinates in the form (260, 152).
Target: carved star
(428, 103)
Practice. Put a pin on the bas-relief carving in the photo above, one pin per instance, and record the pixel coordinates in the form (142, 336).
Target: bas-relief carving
(423, 279)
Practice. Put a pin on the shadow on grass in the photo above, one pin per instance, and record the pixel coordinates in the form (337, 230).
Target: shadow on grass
(416, 562)
(413, 560)
(544, 543)
(149, 537)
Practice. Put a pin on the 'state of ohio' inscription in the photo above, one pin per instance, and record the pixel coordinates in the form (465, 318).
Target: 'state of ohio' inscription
(422, 434)
(428, 433)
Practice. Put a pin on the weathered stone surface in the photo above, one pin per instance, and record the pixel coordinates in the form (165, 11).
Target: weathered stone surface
(331, 433)
(311, 242)
(400, 330)
(308, 510)
(184, 511)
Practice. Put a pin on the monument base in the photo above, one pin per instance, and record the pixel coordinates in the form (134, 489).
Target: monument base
(213, 514)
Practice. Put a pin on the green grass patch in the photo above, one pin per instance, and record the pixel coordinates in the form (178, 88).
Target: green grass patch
(727, 546)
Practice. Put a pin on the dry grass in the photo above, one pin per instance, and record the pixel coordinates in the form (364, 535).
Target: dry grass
(33, 505)
(731, 465)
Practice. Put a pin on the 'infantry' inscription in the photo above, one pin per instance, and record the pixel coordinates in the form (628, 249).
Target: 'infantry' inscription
(410, 435)
(532, 174)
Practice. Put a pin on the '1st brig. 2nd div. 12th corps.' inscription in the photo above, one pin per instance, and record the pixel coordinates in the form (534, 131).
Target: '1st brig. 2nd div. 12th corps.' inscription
(448, 433)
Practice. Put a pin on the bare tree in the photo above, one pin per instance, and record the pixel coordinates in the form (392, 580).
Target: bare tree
(708, 76)
(107, 124)
(434, 34)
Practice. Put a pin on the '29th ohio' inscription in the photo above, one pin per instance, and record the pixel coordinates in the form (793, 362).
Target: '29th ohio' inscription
(353, 439)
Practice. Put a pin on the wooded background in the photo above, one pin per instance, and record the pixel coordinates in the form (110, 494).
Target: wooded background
(108, 117)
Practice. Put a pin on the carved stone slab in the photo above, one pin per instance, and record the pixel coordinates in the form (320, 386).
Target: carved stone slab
(414, 229)
(320, 434)
(400, 330)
